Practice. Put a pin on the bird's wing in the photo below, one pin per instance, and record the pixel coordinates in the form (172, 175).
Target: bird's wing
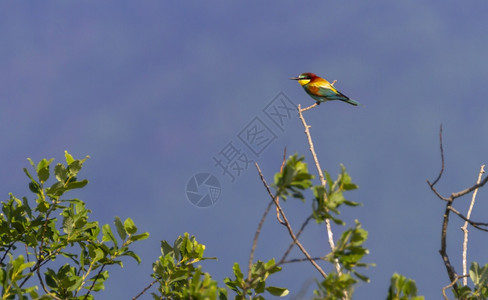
(325, 89)
(322, 88)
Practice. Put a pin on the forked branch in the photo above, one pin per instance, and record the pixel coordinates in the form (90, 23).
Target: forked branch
(453, 276)
(286, 223)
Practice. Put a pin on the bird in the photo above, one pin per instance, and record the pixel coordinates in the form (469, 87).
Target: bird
(320, 89)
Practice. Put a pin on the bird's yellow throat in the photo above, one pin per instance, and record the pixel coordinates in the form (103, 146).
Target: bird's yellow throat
(303, 82)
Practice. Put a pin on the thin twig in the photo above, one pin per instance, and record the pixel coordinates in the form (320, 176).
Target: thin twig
(470, 189)
(442, 158)
(145, 289)
(465, 227)
(476, 225)
(287, 252)
(294, 260)
(309, 107)
(451, 284)
(94, 282)
(311, 146)
(458, 194)
(443, 251)
(260, 226)
(278, 199)
(44, 286)
(431, 185)
(7, 251)
(287, 224)
(323, 182)
(256, 236)
(453, 195)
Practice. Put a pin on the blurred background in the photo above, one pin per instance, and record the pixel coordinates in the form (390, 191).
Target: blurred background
(153, 91)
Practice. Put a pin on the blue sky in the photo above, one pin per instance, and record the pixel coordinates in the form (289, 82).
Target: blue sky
(153, 90)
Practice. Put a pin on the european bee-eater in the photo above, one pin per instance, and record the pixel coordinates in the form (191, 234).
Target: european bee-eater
(320, 89)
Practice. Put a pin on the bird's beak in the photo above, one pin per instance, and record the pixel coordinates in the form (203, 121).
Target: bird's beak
(294, 78)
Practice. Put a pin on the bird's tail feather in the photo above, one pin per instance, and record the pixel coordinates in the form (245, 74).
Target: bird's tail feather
(350, 101)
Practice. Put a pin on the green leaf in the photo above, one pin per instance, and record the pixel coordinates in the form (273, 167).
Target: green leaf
(68, 224)
(51, 277)
(350, 186)
(31, 162)
(166, 248)
(26, 265)
(133, 255)
(43, 175)
(77, 283)
(28, 174)
(76, 184)
(478, 275)
(474, 271)
(120, 228)
(237, 272)
(107, 235)
(483, 276)
(35, 187)
(464, 292)
(98, 255)
(60, 172)
(361, 276)
(69, 158)
(294, 178)
(129, 226)
(138, 237)
(271, 266)
(277, 291)
(43, 169)
(402, 288)
(335, 286)
(75, 167)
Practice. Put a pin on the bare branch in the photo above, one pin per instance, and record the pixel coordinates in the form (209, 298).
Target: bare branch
(278, 199)
(453, 195)
(294, 260)
(437, 193)
(465, 227)
(322, 182)
(145, 289)
(287, 252)
(260, 225)
(287, 224)
(442, 158)
(312, 148)
(7, 251)
(476, 225)
(94, 282)
(469, 190)
(443, 251)
(309, 107)
(450, 285)
(453, 276)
